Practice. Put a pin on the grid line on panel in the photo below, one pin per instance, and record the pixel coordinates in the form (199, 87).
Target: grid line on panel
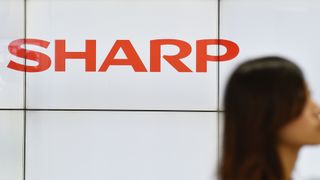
(121, 110)
(12, 109)
(138, 110)
(24, 96)
(218, 50)
(25, 61)
(219, 138)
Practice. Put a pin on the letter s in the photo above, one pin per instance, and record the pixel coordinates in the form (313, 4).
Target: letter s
(43, 60)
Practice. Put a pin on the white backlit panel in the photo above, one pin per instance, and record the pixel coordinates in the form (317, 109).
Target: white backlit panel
(11, 145)
(11, 28)
(308, 163)
(285, 28)
(121, 87)
(121, 145)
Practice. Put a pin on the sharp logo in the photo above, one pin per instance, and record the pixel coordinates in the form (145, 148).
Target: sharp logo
(132, 59)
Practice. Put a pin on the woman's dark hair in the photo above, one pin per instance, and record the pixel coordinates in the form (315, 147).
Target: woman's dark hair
(262, 96)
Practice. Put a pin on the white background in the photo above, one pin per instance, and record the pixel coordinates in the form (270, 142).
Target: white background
(121, 145)
(12, 27)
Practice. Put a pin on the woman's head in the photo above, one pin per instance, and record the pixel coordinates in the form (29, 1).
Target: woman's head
(266, 100)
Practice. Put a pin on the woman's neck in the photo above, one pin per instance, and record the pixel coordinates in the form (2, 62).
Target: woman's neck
(288, 156)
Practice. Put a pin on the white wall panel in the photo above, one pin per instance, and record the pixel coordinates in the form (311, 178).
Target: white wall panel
(308, 163)
(12, 27)
(285, 28)
(121, 145)
(11, 145)
(122, 87)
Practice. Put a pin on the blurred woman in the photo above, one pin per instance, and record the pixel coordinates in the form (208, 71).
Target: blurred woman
(269, 116)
